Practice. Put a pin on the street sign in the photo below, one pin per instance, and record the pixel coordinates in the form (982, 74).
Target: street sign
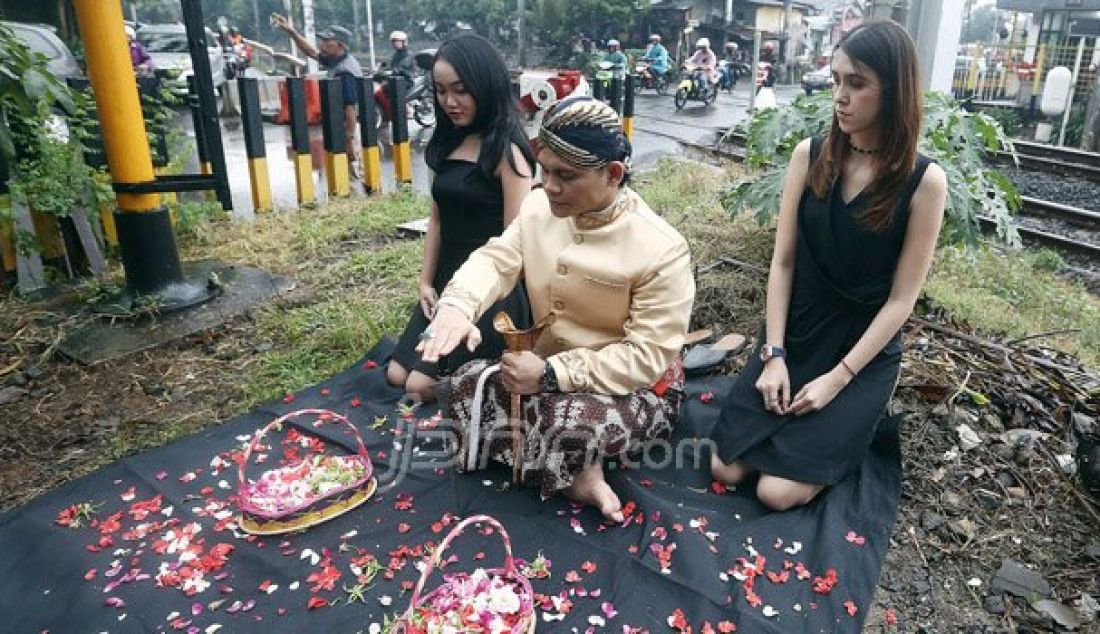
(1085, 27)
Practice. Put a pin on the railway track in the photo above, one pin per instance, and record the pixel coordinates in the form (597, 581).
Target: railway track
(1059, 160)
(1032, 207)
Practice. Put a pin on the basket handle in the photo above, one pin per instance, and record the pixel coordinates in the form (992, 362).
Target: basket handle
(323, 413)
(509, 562)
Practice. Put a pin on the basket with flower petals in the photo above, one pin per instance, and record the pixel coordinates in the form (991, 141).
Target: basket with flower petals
(304, 490)
(489, 601)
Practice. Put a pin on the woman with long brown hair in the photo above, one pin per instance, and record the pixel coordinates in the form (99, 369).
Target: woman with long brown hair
(859, 216)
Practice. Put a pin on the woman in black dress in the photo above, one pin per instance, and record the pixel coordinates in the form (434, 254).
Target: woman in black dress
(858, 222)
(482, 165)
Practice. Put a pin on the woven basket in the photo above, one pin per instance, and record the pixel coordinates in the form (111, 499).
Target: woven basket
(257, 520)
(509, 572)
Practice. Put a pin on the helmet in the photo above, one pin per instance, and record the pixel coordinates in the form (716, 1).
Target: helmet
(703, 43)
(398, 35)
(130, 33)
(654, 38)
(612, 42)
(731, 46)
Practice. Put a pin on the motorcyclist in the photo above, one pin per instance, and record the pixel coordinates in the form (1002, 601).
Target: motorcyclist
(729, 67)
(705, 62)
(616, 58)
(139, 57)
(657, 56)
(401, 61)
(333, 53)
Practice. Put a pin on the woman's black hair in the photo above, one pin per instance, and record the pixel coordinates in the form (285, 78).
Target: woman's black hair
(485, 77)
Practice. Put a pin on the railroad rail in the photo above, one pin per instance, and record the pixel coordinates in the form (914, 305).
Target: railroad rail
(1051, 158)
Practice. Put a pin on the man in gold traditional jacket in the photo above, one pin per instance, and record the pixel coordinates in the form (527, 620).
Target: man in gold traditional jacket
(613, 281)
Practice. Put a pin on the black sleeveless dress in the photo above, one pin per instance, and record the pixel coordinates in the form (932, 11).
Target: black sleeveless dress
(842, 277)
(471, 211)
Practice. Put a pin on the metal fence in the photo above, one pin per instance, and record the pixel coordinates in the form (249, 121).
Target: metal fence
(1012, 74)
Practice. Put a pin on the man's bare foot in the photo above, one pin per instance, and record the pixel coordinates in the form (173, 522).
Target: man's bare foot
(590, 487)
(732, 473)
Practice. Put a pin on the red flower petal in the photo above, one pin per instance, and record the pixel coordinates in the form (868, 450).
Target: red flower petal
(317, 602)
(851, 607)
(289, 398)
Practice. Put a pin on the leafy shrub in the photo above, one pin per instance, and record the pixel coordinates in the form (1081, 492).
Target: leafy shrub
(955, 138)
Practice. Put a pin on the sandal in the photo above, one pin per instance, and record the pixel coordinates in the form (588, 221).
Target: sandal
(704, 358)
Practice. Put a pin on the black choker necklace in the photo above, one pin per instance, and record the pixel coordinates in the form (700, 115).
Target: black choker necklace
(859, 150)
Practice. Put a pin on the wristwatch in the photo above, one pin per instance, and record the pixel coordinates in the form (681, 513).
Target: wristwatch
(548, 382)
(768, 351)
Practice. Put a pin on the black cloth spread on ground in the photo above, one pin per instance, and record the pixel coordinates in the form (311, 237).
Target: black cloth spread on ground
(47, 581)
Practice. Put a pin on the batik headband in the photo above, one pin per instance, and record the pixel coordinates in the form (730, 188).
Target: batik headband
(585, 133)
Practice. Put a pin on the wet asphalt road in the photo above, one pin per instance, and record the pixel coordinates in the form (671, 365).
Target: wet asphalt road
(659, 128)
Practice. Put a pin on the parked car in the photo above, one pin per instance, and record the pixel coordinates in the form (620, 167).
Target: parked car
(820, 79)
(42, 39)
(167, 46)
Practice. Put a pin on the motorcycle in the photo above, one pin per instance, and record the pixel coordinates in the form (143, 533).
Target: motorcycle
(727, 76)
(695, 85)
(419, 94)
(649, 79)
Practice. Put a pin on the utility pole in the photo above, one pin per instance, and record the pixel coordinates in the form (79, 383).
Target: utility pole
(310, 33)
(520, 44)
(288, 11)
(256, 18)
(786, 36)
(355, 20)
(370, 36)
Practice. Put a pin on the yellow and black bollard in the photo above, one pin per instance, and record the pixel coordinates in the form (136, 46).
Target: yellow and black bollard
(299, 139)
(336, 145)
(402, 151)
(615, 97)
(254, 148)
(148, 248)
(368, 130)
(628, 106)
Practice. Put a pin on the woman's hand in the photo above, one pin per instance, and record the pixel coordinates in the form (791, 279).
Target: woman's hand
(520, 372)
(775, 385)
(449, 328)
(820, 392)
(428, 299)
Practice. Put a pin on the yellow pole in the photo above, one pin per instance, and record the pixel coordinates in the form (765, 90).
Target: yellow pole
(120, 114)
(1038, 68)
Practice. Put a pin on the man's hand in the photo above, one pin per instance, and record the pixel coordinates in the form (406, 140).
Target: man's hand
(280, 22)
(448, 329)
(520, 372)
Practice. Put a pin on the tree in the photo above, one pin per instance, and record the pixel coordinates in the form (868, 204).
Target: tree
(559, 21)
(982, 25)
(494, 19)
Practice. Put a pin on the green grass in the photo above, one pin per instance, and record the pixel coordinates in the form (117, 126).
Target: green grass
(357, 275)
(1017, 295)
